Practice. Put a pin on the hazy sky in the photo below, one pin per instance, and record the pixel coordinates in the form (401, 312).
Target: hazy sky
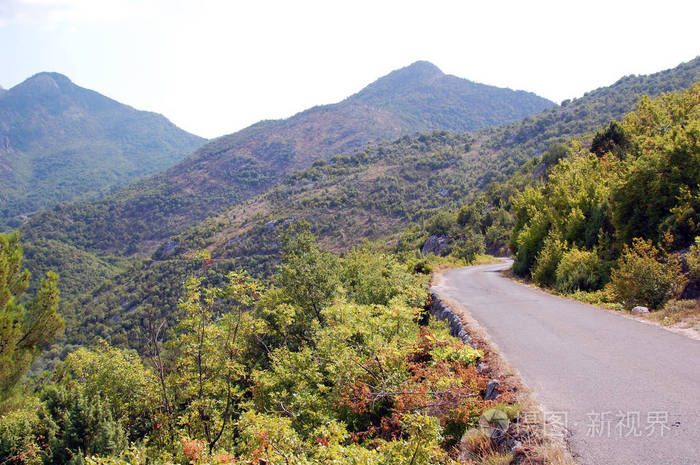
(214, 67)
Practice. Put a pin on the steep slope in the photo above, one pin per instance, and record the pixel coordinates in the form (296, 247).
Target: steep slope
(235, 167)
(380, 189)
(61, 142)
(373, 194)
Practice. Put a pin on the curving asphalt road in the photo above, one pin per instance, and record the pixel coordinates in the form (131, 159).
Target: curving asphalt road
(628, 392)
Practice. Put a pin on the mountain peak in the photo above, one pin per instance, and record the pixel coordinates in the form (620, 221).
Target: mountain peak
(50, 75)
(415, 75)
(43, 83)
(420, 68)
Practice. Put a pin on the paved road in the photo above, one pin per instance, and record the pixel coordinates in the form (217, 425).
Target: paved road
(630, 390)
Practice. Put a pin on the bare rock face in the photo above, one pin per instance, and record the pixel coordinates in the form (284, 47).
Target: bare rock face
(435, 245)
(639, 310)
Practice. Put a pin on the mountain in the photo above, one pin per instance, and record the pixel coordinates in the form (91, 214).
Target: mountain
(61, 142)
(379, 190)
(375, 193)
(425, 99)
(232, 168)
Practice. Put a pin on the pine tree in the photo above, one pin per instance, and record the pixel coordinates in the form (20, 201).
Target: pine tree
(24, 329)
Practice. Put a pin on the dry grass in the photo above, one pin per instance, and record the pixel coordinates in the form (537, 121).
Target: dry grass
(680, 314)
(541, 444)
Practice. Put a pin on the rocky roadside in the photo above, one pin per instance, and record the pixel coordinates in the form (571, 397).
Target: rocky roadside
(527, 437)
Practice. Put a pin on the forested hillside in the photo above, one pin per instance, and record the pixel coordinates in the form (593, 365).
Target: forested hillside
(407, 187)
(610, 218)
(60, 142)
(233, 168)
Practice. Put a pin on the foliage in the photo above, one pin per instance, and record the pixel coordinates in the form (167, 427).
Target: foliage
(665, 140)
(611, 140)
(571, 207)
(338, 370)
(213, 350)
(307, 274)
(554, 153)
(615, 206)
(25, 328)
(469, 246)
(548, 259)
(646, 275)
(579, 270)
(370, 276)
(692, 259)
(25, 434)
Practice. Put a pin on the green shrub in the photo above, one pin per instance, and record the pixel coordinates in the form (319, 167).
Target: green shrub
(544, 271)
(25, 434)
(421, 266)
(647, 276)
(579, 270)
(441, 223)
(468, 248)
(693, 259)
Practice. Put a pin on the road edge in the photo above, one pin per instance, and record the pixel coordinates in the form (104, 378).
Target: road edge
(544, 444)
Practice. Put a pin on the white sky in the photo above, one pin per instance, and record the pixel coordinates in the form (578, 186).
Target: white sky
(214, 67)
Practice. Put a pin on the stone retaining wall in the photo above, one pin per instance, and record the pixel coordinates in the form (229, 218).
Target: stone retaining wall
(441, 311)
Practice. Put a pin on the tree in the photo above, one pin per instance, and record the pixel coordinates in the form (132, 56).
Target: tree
(661, 189)
(307, 275)
(214, 348)
(24, 329)
(611, 140)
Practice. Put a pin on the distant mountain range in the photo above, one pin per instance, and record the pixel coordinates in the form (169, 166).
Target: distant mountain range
(376, 193)
(61, 142)
(249, 183)
(232, 168)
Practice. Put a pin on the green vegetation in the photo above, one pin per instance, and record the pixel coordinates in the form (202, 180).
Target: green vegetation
(24, 327)
(627, 209)
(60, 142)
(646, 276)
(236, 167)
(320, 351)
(327, 362)
(389, 193)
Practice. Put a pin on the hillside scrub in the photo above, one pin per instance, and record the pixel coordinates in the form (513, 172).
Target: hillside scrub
(580, 270)
(618, 215)
(384, 191)
(302, 369)
(647, 276)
